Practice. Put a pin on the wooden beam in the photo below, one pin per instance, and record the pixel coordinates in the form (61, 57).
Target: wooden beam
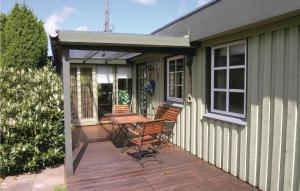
(89, 55)
(97, 61)
(158, 50)
(67, 112)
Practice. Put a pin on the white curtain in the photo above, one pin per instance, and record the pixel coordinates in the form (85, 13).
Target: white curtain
(104, 74)
(124, 72)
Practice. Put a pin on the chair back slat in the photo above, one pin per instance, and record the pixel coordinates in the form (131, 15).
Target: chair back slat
(167, 113)
(153, 127)
(122, 108)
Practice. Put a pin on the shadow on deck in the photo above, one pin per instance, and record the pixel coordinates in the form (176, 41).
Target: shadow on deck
(99, 165)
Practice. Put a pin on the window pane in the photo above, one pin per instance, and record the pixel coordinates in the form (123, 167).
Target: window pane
(179, 78)
(171, 91)
(220, 101)
(179, 92)
(236, 102)
(237, 55)
(86, 93)
(220, 57)
(74, 93)
(179, 65)
(172, 66)
(237, 78)
(220, 79)
(171, 79)
(176, 78)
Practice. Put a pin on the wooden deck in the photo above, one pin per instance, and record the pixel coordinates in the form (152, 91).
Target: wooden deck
(101, 166)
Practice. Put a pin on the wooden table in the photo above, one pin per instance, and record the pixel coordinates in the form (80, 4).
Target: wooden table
(111, 115)
(124, 121)
(129, 119)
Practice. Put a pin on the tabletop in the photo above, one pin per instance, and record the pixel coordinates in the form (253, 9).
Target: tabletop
(129, 119)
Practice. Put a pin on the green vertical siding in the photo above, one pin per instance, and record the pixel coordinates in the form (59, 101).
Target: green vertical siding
(265, 152)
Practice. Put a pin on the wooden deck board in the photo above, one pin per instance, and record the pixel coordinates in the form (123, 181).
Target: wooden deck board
(103, 167)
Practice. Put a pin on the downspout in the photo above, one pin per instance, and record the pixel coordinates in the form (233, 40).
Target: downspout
(189, 62)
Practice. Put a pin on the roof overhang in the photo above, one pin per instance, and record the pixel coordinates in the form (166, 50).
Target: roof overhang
(116, 42)
(219, 17)
(123, 42)
(118, 39)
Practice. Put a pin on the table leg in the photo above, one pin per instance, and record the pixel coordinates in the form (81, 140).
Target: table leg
(114, 131)
(126, 138)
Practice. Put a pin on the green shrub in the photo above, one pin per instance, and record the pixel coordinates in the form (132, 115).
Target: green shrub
(23, 39)
(31, 120)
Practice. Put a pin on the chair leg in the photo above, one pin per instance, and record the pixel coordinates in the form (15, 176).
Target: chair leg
(155, 152)
(140, 156)
(154, 155)
(141, 162)
(166, 137)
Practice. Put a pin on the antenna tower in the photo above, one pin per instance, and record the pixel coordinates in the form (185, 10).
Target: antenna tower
(106, 15)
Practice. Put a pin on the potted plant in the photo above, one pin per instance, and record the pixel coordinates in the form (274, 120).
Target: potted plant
(123, 97)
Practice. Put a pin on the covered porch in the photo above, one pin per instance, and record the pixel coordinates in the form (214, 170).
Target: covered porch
(93, 49)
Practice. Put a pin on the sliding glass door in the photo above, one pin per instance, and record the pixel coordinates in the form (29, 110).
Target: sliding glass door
(104, 77)
(96, 89)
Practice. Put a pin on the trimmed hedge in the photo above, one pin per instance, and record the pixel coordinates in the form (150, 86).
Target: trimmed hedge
(31, 120)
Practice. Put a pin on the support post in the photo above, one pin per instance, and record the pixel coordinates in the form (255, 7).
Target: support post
(67, 112)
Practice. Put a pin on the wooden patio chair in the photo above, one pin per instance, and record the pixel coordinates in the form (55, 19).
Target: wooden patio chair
(118, 109)
(169, 114)
(149, 135)
(122, 109)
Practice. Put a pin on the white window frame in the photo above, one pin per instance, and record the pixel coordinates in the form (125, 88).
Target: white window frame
(169, 98)
(228, 90)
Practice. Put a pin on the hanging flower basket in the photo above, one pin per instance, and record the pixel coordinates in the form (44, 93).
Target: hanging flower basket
(149, 87)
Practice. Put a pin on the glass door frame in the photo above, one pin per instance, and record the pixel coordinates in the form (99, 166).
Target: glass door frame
(141, 93)
(85, 121)
(115, 86)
